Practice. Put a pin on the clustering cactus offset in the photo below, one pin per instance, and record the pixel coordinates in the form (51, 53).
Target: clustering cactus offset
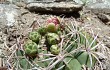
(53, 24)
(34, 36)
(52, 38)
(30, 48)
(51, 27)
(54, 49)
(42, 31)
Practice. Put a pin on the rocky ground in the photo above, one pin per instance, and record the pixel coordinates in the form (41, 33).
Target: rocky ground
(24, 20)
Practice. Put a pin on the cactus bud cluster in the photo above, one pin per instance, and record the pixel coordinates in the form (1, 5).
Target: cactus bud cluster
(42, 31)
(54, 20)
(34, 36)
(54, 49)
(50, 33)
(52, 38)
(53, 24)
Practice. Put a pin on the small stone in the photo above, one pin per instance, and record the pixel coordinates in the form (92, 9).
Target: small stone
(103, 17)
(55, 7)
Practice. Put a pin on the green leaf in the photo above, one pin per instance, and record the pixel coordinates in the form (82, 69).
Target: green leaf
(72, 64)
(24, 64)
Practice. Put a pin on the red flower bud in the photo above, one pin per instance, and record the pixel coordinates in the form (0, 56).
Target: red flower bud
(54, 20)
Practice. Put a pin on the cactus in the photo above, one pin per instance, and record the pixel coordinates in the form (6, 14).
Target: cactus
(31, 48)
(42, 31)
(83, 57)
(52, 38)
(51, 27)
(63, 58)
(54, 49)
(72, 64)
(53, 24)
(88, 37)
(54, 20)
(34, 36)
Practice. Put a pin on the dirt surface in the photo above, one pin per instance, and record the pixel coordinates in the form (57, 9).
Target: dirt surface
(10, 35)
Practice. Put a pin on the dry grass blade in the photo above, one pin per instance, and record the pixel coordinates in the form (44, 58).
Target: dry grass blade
(96, 46)
(70, 45)
(61, 47)
(97, 60)
(60, 67)
(100, 54)
(5, 46)
(72, 52)
(68, 28)
(46, 54)
(93, 40)
(54, 63)
(12, 54)
(38, 23)
(51, 62)
(47, 59)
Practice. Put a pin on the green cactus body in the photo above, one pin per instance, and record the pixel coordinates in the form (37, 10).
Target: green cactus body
(30, 48)
(83, 57)
(42, 31)
(89, 39)
(72, 63)
(52, 38)
(54, 49)
(34, 36)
